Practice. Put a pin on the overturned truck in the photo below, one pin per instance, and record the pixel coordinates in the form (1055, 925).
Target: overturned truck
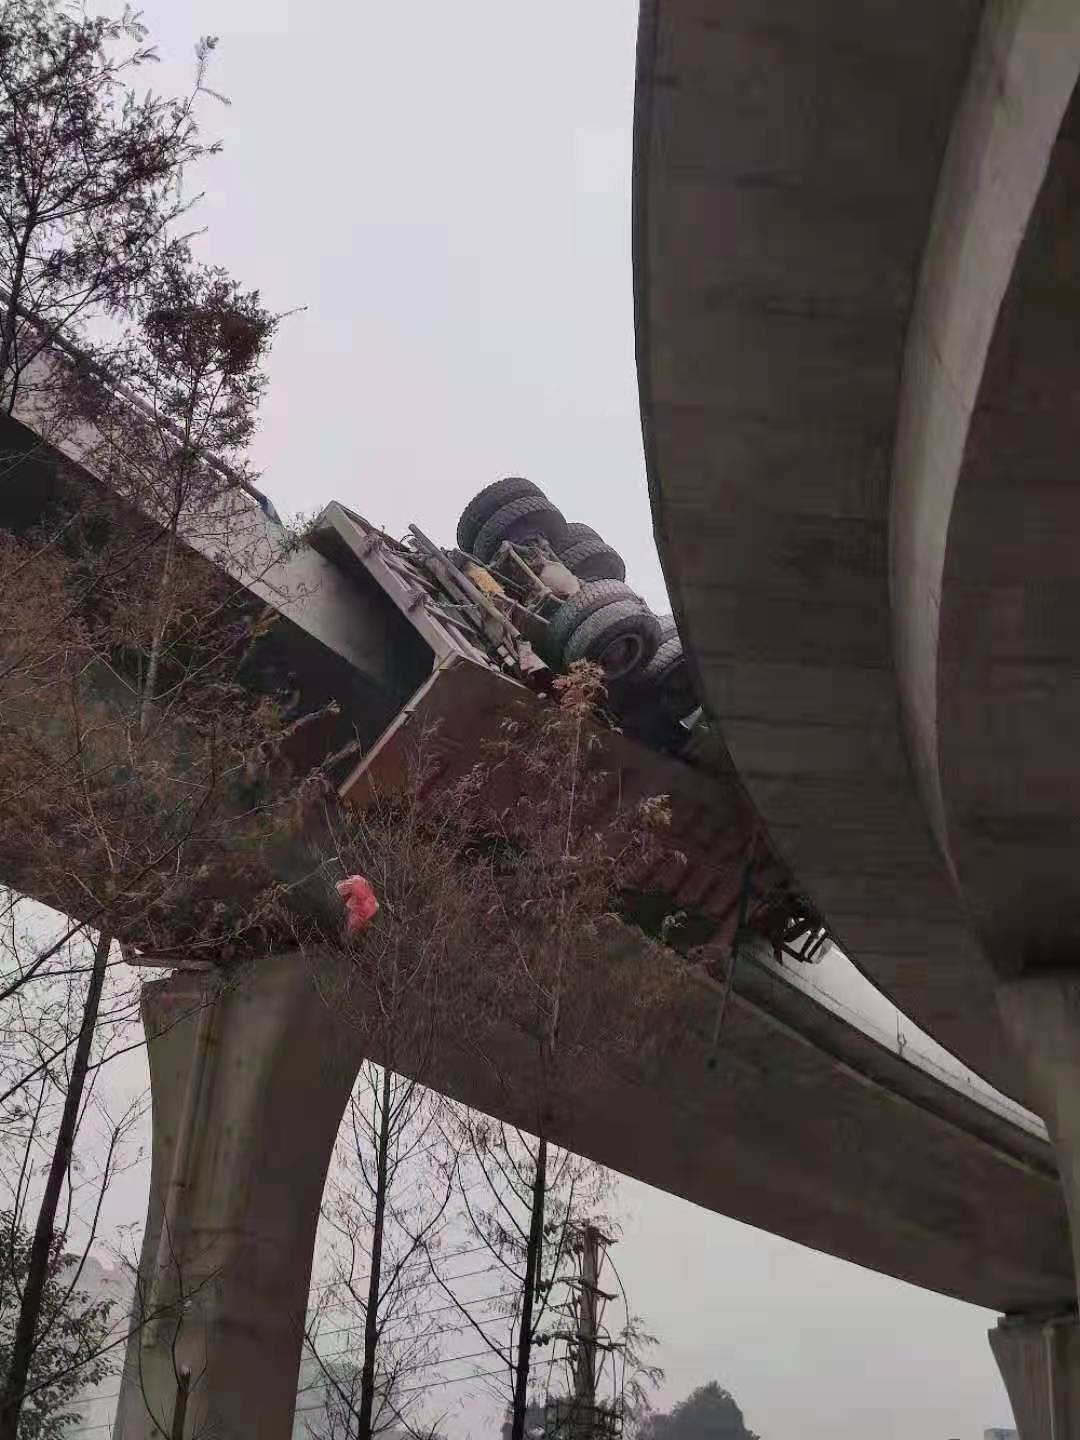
(371, 632)
(522, 596)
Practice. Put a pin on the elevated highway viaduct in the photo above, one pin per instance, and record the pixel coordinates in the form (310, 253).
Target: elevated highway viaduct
(856, 231)
(798, 1121)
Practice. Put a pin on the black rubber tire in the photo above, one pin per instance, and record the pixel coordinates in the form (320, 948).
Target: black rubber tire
(594, 559)
(524, 519)
(591, 597)
(576, 532)
(624, 629)
(667, 675)
(668, 628)
(669, 652)
(493, 497)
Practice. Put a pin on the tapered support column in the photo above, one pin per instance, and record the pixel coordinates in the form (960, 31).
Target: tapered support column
(1039, 1360)
(249, 1078)
(1042, 1016)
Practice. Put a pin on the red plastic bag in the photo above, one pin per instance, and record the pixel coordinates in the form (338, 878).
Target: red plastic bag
(360, 903)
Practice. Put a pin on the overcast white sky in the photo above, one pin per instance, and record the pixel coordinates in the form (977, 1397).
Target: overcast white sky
(446, 188)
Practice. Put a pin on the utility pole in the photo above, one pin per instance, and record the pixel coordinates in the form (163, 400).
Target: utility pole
(578, 1416)
(587, 1324)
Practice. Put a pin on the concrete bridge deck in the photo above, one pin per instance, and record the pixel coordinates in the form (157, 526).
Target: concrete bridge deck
(857, 323)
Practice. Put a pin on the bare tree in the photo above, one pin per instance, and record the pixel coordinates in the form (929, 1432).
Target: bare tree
(332, 1415)
(337, 1390)
(91, 170)
(134, 739)
(574, 984)
(143, 786)
(399, 981)
(502, 893)
(54, 1192)
(526, 1203)
(638, 1375)
(385, 1209)
(504, 897)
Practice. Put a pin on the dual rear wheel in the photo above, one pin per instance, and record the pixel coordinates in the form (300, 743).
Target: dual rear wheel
(605, 621)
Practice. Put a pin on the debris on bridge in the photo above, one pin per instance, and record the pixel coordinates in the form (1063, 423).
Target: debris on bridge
(361, 905)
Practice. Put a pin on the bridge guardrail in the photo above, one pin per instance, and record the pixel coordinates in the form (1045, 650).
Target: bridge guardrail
(962, 1080)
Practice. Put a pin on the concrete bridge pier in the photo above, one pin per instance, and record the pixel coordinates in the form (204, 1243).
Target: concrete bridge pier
(250, 1076)
(1039, 1360)
(1041, 1013)
(1039, 1356)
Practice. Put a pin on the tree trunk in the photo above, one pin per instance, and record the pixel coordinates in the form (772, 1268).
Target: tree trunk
(179, 1414)
(533, 1258)
(157, 639)
(371, 1317)
(25, 1338)
(9, 381)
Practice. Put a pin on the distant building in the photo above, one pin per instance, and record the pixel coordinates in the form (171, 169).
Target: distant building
(95, 1405)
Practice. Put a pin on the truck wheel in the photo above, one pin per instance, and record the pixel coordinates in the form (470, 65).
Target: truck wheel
(593, 559)
(668, 627)
(620, 638)
(493, 497)
(667, 676)
(591, 597)
(529, 518)
(576, 531)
